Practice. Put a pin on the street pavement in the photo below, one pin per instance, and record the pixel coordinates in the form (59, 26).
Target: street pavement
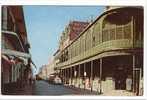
(44, 88)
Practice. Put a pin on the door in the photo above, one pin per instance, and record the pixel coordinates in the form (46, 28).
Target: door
(120, 79)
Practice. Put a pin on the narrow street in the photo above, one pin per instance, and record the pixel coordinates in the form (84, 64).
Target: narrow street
(44, 88)
(98, 52)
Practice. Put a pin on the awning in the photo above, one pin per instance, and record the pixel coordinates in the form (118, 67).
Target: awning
(20, 55)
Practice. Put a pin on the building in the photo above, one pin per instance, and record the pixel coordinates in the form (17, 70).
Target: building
(46, 70)
(15, 57)
(71, 31)
(43, 72)
(107, 53)
(51, 66)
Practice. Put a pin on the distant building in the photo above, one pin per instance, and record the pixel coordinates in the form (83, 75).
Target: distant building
(72, 30)
(51, 66)
(46, 70)
(43, 72)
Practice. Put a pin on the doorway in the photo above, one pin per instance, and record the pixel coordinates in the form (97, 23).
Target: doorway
(120, 79)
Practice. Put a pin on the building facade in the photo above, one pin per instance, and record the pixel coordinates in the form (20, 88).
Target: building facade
(72, 30)
(15, 57)
(108, 54)
(43, 72)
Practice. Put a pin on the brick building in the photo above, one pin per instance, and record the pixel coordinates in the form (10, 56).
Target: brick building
(15, 57)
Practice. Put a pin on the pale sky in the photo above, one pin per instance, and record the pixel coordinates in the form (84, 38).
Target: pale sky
(45, 24)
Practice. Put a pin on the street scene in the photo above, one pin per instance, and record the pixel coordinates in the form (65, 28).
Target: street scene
(72, 50)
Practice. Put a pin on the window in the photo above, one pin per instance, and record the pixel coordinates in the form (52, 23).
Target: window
(112, 34)
(119, 32)
(127, 31)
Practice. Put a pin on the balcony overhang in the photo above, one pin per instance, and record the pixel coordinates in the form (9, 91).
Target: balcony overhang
(102, 55)
(16, 37)
(15, 53)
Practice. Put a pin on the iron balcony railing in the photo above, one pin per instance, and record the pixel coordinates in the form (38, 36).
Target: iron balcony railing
(118, 37)
(14, 52)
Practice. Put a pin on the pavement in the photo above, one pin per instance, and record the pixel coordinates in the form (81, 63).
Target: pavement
(14, 89)
(118, 93)
(81, 91)
(44, 88)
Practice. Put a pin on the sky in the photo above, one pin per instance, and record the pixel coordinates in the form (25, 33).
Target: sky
(45, 24)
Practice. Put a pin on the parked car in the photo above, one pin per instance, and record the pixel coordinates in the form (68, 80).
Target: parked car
(54, 79)
(57, 80)
(51, 78)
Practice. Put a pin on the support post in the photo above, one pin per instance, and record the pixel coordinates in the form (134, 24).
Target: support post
(84, 76)
(74, 76)
(91, 84)
(79, 75)
(71, 75)
(65, 76)
(101, 62)
(133, 73)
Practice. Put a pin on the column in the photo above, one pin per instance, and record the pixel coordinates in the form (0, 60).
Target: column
(84, 75)
(62, 74)
(65, 76)
(133, 84)
(74, 76)
(79, 75)
(71, 75)
(68, 75)
(91, 81)
(101, 62)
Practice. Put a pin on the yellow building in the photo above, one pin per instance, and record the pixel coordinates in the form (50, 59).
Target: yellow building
(107, 54)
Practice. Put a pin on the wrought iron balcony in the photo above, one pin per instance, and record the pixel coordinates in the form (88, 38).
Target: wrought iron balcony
(16, 48)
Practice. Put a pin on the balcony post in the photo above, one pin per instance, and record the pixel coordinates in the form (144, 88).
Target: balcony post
(91, 75)
(101, 62)
(70, 75)
(65, 75)
(84, 75)
(133, 73)
(79, 75)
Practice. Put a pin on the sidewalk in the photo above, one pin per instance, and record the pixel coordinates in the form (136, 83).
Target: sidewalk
(81, 91)
(13, 89)
(118, 93)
